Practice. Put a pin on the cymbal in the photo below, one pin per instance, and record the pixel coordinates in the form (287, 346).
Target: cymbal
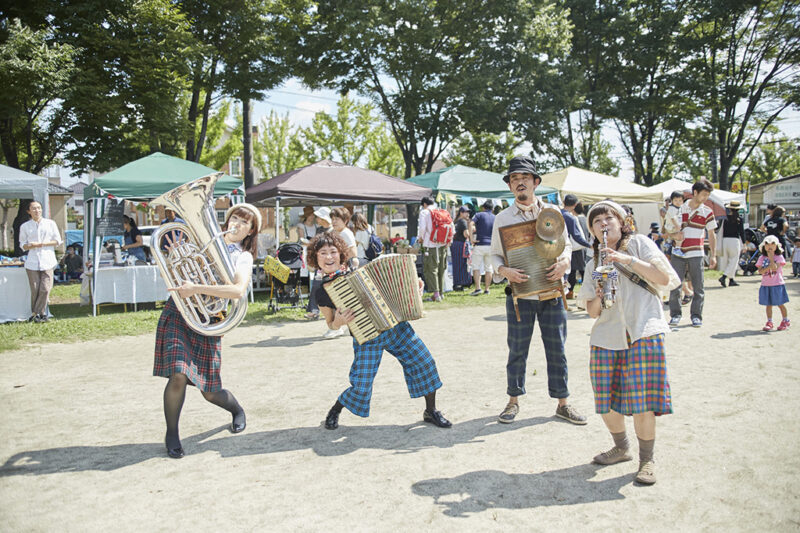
(549, 249)
(549, 224)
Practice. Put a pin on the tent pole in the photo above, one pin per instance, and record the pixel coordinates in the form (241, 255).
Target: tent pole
(277, 223)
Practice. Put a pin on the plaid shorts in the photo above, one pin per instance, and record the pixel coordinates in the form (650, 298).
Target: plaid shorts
(181, 350)
(401, 341)
(633, 380)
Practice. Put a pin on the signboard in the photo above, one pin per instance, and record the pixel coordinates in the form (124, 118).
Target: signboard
(785, 193)
(111, 221)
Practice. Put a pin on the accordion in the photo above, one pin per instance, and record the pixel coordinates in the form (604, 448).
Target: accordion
(382, 294)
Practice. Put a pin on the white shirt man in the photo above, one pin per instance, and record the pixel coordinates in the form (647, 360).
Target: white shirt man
(39, 237)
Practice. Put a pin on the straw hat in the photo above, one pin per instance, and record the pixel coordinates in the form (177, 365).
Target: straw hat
(733, 205)
(247, 207)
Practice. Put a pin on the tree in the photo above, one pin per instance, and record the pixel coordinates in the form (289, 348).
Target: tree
(355, 136)
(587, 82)
(258, 58)
(744, 75)
(278, 148)
(436, 68)
(645, 99)
(487, 151)
(130, 79)
(35, 76)
(774, 157)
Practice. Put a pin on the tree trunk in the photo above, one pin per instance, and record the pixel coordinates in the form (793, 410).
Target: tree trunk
(191, 154)
(22, 217)
(8, 144)
(247, 141)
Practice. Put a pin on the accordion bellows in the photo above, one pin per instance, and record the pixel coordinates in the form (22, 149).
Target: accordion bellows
(382, 294)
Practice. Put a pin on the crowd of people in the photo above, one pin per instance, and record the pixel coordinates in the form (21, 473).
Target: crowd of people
(628, 369)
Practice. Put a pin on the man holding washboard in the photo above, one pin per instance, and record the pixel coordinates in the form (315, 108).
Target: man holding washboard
(522, 313)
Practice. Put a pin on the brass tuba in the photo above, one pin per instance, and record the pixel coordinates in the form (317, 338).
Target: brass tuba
(198, 254)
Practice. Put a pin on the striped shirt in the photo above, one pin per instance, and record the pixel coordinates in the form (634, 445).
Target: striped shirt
(694, 223)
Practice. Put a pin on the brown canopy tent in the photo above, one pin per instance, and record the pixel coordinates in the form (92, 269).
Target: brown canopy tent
(330, 183)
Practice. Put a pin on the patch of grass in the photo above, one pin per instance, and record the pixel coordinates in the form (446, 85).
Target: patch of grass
(73, 322)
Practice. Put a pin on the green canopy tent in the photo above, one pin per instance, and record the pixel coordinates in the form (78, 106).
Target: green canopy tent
(143, 180)
(470, 182)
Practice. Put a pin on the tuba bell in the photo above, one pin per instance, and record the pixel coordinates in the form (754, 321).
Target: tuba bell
(198, 254)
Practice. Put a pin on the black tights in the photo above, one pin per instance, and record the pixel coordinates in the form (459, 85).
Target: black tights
(175, 393)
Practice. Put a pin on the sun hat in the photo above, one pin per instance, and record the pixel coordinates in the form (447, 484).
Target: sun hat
(734, 204)
(522, 164)
(247, 207)
(324, 213)
(610, 204)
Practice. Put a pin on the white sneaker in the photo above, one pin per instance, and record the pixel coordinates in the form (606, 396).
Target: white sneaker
(333, 333)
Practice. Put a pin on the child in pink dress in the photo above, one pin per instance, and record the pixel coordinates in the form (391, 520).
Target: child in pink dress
(773, 290)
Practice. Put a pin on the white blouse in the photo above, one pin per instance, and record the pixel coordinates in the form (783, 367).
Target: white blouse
(637, 311)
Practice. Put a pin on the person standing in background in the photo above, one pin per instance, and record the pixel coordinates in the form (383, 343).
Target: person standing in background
(434, 253)
(732, 237)
(577, 239)
(696, 219)
(482, 250)
(460, 250)
(39, 237)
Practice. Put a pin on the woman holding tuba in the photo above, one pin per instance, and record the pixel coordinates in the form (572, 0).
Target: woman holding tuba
(627, 362)
(185, 356)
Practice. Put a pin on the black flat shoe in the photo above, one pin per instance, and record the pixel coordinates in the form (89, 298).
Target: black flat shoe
(175, 453)
(332, 420)
(436, 418)
(238, 427)
(732, 283)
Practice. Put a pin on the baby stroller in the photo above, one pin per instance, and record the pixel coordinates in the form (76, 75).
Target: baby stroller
(750, 253)
(286, 292)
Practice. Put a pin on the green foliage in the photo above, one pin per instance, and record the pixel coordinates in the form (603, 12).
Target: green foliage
(278, 148)
(775, 157)
(355, 136)
(484, 150)
(130, 78)
(437, 68)
(743, 74)
(35, 74)
(226, 139)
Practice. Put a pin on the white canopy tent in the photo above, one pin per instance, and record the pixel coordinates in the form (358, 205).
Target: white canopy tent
(591, 187)
(18, 184)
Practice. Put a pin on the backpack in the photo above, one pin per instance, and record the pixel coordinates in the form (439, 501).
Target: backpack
(374, 247)
(442, 229)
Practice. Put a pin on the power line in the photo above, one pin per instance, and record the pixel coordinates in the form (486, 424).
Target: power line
(307, 95)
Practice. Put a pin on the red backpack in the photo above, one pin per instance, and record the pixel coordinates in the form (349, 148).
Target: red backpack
(442, 229)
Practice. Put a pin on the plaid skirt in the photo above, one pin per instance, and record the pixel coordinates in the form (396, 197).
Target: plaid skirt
(633, 380)
(179, 349)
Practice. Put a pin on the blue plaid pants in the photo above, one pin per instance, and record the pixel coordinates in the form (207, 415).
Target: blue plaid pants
(553, 324)
(401, 341)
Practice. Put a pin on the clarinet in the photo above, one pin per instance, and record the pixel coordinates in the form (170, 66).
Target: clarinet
(606, 275)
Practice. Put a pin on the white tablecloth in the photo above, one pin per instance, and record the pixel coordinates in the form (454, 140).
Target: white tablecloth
(15, 294)
(130, 285)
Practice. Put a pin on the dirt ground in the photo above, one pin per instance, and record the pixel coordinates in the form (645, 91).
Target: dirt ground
(82, 428)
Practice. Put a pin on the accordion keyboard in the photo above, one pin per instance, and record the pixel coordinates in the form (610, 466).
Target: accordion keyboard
(359, 294)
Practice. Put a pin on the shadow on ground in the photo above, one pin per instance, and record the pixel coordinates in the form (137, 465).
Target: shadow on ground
(475, 492)
(400, 439)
